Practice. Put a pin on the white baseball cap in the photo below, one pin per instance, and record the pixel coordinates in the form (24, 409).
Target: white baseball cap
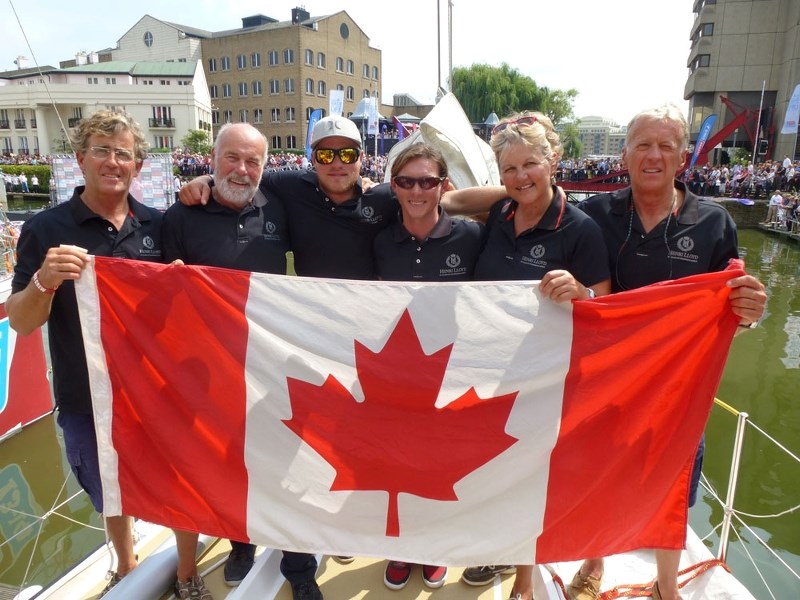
(335, 126)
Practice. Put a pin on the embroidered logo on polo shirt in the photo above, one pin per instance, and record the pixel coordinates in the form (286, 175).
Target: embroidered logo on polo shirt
(269, 232)
(149, 248)
(685, 246)
(367, 212)
(537, 253)
(453, 263)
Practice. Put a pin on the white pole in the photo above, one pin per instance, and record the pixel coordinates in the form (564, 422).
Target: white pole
(450, 45)
(439, 43)
(758, 123)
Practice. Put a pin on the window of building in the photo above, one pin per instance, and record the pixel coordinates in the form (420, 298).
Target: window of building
(339, 64)
(258, 115)
(291, 142)
(351, 92)
(288, 86)
(321, 60)
(290, 114)
(212, 91)
(185, 82)
(365, 71)
(321, 88)
(288, 56)
(273, 58)
(274, 86)
(111, 81)
(215, 117)
(255, 59)
(226, 63)
(707, 29)
(163, 141)
(375, 73)
(702, 60)
(165, 82)
(23, 145)
(243, 115)
(241, 62)
(309, 86)
(91, 80)
(339, 87)
(365, 94)
(242, 88)
(275, 115)
(8, 148)
(275, 142)
(147, 82)
(309, 57)
(212, 65)
(257, 88)
(310, 110)
(226, 90)
(227, 116)
(351, 67)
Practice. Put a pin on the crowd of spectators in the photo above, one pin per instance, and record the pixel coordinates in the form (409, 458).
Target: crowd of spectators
(745, 181)
(25, 159)
(581, 169)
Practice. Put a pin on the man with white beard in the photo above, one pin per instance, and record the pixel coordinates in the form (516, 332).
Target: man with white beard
(241, 229)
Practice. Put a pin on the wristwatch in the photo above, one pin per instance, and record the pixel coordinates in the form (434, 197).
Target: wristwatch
(752, 325)
(591, 292)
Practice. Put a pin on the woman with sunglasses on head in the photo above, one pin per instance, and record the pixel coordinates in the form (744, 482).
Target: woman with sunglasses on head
(535, 234)
(424, 244)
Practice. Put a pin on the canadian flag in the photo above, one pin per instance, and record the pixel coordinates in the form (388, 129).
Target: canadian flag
(456, 424)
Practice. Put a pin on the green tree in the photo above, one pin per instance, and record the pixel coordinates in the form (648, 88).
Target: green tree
(482, 89)
(196, 141)
(570, 139)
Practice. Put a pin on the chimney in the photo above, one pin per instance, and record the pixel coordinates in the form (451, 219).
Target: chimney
(299, 15)
(80, 58)
(21, 62)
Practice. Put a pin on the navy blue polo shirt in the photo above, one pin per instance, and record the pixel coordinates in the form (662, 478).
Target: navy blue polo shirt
(73, 223)
(701, 239)
(449, 253)
(329, 239)
(564, 238)
(252, 239)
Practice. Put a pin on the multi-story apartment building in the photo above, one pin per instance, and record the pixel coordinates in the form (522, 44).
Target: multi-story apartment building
(738, 48)
(173, 78)
(601, 136)
(38, 106)
(273, 74)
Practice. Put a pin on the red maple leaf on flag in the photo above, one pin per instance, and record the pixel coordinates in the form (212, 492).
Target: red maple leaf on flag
(397, 439)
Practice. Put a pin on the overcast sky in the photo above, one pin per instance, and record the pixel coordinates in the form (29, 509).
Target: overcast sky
(621, 56)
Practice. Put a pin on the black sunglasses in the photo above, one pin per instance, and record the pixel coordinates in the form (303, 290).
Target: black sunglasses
(325, 156)
(424, 183)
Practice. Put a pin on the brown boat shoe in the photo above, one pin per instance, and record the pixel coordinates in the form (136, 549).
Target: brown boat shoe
(584, 587)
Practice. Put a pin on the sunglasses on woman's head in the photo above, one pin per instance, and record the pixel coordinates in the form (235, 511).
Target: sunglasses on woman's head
(424, 183)
(325, 156)
(529, 120)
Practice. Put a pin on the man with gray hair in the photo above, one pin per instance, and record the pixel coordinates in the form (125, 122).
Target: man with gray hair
(657, 230)
(239, 228)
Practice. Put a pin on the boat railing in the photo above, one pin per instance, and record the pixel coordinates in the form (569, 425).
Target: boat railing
(730, 514)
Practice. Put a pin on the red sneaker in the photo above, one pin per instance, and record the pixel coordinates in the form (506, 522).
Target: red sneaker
(396, 575)
(434, 576)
